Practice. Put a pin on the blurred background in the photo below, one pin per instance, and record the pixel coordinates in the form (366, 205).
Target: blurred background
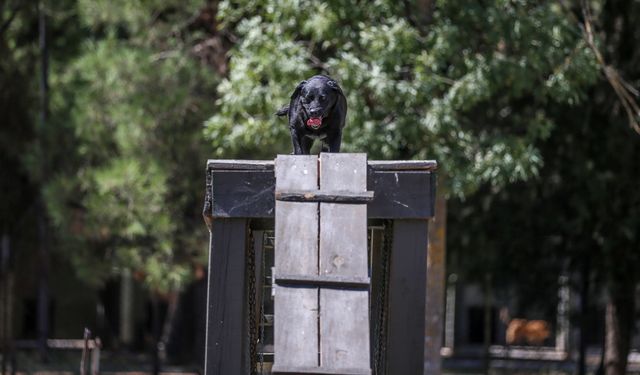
(109, 110)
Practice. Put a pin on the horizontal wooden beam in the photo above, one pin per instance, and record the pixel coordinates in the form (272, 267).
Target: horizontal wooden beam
(318, 371)
(380, 165)
(403, 165)
(327, 281)
(325, 196)
(246, 189)
(241, 165)
(59, 344)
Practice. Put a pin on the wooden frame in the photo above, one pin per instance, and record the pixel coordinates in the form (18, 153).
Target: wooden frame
(240, 196)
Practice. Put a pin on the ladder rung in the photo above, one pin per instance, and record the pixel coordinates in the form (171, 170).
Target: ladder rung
(318, 370)
(325, 196)
(327, 281)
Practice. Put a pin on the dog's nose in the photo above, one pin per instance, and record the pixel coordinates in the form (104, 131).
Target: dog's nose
(314, 112)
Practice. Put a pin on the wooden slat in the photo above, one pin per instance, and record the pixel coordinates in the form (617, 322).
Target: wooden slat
(318, 371)
(407, 288)
(296, 252)
(386, 165)
(344, 327)
(72, 344)
(265, 165)
(403, 165)
(226, 341)
(342, 239)
(325, 196)
(344, 320)
(326, 281)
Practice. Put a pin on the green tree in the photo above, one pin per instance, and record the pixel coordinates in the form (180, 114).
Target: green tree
(600, 187)
(470, 89)
(119, 161)
(581, 213)
(17, 65)
(131, 99)
(481, 88)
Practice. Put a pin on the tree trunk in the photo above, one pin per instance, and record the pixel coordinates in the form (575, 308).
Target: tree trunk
(487, 326)
(425, 11)
(5, 306)
(584, 310)
(155, 334)
(43, 225)
(618, 326)
(126, 324)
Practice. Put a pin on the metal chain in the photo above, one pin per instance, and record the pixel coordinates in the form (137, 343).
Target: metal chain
(251, 284)
(380, 344)
(263, 319)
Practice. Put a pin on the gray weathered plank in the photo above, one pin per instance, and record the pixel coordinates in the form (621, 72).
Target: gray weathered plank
(344, 327)
(296, 252)
(344, 320)
(343, 239)
(343, 228)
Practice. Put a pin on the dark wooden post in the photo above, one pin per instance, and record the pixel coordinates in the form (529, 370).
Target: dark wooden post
(436, 285)
(227, 342)
(407, 291)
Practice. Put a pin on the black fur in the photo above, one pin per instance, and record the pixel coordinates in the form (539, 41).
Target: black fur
(319, 97)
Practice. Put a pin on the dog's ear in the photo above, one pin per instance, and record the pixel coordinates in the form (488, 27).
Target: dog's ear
(341, 103)
(334, 85)
(296, 92)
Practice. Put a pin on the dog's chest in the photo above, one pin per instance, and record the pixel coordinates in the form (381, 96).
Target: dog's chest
(316, 136)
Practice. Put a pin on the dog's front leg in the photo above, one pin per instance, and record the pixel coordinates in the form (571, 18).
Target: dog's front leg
(333, 143)
(297, 148)
(305, 144)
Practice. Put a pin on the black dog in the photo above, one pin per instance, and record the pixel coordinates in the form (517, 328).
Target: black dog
(317, 110)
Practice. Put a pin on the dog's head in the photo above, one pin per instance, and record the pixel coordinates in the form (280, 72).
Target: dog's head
(319, 96)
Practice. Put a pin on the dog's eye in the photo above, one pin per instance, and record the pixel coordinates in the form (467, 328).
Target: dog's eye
(323, 97)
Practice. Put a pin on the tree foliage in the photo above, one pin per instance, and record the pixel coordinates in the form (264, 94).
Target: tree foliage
(507, 96)
(580, 215)
(132, 98)
(470, 90)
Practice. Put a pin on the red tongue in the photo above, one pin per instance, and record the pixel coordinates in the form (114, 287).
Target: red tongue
(314, 122)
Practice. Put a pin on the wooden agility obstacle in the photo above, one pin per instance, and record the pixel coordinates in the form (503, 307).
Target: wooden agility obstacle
(324, 314)
(321, 272)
